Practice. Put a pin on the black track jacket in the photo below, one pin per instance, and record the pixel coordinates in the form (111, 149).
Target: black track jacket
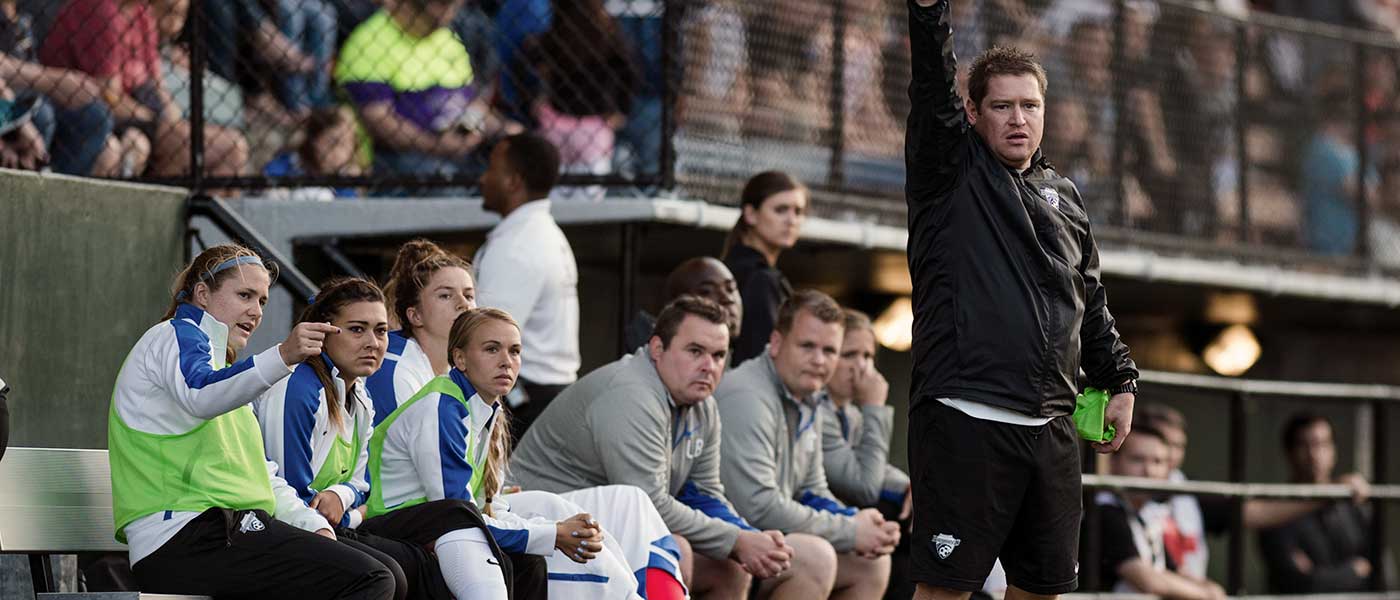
(1007, 297)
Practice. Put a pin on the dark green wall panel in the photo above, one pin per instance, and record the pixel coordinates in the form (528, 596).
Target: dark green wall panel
(85, 269)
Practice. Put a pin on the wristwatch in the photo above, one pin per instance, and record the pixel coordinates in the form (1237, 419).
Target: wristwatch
(1127, 387)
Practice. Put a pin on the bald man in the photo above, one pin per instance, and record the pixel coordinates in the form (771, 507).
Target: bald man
(701, 276)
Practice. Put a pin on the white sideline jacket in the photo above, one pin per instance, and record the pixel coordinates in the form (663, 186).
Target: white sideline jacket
(175, 379)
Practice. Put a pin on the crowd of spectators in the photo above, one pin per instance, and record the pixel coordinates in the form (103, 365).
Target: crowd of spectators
(102, 87)
(1152, 126)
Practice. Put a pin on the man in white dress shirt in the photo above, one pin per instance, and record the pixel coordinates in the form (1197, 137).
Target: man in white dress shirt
(527, 269)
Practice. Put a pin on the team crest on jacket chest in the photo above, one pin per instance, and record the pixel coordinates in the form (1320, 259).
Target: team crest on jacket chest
(1051, 196)
(694, 447)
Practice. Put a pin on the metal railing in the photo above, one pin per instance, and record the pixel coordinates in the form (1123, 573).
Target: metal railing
(233, 225)
(1376, 399)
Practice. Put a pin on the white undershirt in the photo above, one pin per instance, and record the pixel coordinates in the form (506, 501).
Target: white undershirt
(987, 412)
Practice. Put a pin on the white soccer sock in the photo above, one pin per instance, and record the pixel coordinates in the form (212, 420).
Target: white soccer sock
(468, 567)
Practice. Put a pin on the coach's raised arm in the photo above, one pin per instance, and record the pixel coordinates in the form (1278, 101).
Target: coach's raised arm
(937, 123)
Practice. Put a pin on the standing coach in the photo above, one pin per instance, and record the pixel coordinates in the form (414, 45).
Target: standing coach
(1007, 305)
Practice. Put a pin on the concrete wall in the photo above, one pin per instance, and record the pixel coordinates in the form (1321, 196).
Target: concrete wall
(85, 269)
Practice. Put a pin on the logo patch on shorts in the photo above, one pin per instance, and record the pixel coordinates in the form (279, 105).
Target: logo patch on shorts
(250, 523)
(945, 544)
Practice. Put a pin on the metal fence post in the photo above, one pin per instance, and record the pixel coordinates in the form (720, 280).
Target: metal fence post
(1242, 128)
(670, 80)
(1363, 205)
(41, 574)
(198, 56)
(1120, 99)
(1239, 440)
(1380, 463)
(627, 282)
(836, 168)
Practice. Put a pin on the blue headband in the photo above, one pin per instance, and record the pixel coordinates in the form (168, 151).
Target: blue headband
(223, 266)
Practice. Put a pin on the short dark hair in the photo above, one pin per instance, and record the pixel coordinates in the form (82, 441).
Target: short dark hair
(669, 321)
(814, 302)
(1002, 60)
(1160, 414)
(536, 160)
(1143, 427)
(1293, 430)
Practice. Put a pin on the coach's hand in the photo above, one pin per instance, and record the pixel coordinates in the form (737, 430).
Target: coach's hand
(762, 554)
(328, 504)
(1119, 414)
(305, 341)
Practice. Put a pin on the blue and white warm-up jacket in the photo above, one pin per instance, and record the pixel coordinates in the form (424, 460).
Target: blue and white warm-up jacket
(176, 379)
(298, 435)
(434, 449)
(406, 370)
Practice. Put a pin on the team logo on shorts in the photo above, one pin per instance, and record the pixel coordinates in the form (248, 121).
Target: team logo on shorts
(250, 523)
(945, 544)
(1051, 196)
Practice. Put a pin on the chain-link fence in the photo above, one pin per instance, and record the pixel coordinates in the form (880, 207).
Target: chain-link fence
(1172, 117)
(817, 89)
(332, 96)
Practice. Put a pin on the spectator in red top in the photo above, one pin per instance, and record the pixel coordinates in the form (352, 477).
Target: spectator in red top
(117, 42)
(68, 111)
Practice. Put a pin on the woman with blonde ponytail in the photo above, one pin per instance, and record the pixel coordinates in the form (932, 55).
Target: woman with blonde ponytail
(450, 440)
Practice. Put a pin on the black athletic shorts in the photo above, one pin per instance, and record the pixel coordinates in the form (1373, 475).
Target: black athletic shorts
(983, 490)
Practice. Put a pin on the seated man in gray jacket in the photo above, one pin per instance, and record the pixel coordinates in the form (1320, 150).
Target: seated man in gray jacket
(771, 459)
(856, 427)
(649, 420)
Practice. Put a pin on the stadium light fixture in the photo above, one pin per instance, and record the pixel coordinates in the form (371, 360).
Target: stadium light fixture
(1233, 351)
(1231, 308)
(894, 328)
